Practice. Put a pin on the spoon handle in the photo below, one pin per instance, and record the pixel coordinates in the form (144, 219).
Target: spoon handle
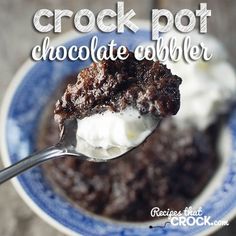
(29, 162)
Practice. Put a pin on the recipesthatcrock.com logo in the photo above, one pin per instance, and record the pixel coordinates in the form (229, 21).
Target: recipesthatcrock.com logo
(187, 217)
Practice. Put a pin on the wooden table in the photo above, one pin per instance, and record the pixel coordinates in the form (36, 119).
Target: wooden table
(18, 37)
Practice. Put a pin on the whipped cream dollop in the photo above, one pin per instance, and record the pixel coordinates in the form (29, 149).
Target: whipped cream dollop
(208, 88)
(116, 129)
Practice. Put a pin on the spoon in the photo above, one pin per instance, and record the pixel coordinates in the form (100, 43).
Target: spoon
(68, 145)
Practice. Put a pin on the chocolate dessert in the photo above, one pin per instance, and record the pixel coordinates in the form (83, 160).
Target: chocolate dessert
(167, 171)
(145, 85)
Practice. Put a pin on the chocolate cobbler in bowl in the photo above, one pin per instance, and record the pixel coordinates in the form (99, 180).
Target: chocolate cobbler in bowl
(169, 170)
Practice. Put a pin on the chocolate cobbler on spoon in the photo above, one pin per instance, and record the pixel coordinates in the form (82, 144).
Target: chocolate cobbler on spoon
(112, 108)
(118, 104)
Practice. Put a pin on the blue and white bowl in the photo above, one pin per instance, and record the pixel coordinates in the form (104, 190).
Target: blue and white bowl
(24, 102)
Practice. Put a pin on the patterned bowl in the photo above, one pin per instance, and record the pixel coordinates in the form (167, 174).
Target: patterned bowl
(25, 100)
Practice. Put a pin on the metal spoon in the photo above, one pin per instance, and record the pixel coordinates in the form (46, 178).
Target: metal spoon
(68, 145)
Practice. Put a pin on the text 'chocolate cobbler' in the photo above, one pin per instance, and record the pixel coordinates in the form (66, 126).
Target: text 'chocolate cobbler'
(113, 85)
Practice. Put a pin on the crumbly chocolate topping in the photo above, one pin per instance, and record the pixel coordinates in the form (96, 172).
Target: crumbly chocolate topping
(169, 170)
(113, 85)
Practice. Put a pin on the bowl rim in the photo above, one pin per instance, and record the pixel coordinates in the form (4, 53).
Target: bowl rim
(4, 109)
